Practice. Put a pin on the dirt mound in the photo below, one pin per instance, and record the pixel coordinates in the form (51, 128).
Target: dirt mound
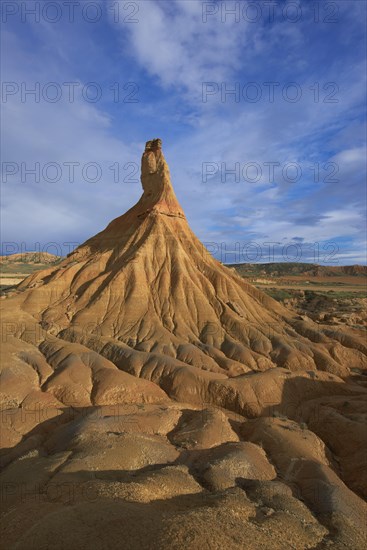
(161, 398)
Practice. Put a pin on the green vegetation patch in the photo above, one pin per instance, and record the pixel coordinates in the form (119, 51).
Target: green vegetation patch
(278, 294)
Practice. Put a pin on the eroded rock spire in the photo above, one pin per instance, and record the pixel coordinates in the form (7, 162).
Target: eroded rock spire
(158, 195)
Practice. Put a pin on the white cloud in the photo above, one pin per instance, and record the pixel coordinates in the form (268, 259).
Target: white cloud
(174, 44)
(60, 133)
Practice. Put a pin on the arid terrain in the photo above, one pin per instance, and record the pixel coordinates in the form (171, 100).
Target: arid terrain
(14, 268)
(153, 398)
(332, 294)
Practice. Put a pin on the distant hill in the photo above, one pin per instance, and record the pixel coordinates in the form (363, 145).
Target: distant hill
(25, 264)
(284, 269)
(30, 258)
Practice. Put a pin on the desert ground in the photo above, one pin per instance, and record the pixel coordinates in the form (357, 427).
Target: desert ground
(153, 398)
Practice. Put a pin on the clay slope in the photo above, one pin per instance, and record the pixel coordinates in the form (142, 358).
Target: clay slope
(149, 393)
(149, 284)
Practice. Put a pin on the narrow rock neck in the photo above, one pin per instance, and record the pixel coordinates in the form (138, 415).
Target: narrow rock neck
(158, 195)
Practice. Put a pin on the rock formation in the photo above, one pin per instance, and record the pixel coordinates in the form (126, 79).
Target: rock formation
(142, 371)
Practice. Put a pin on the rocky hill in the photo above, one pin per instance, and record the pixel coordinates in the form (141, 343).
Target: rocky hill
(284, 269)
(37, 258)
(151, 395)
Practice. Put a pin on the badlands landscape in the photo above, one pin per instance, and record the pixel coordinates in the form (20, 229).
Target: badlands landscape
(153, 398)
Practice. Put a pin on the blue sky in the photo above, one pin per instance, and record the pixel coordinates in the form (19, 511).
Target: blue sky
(293, 132)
